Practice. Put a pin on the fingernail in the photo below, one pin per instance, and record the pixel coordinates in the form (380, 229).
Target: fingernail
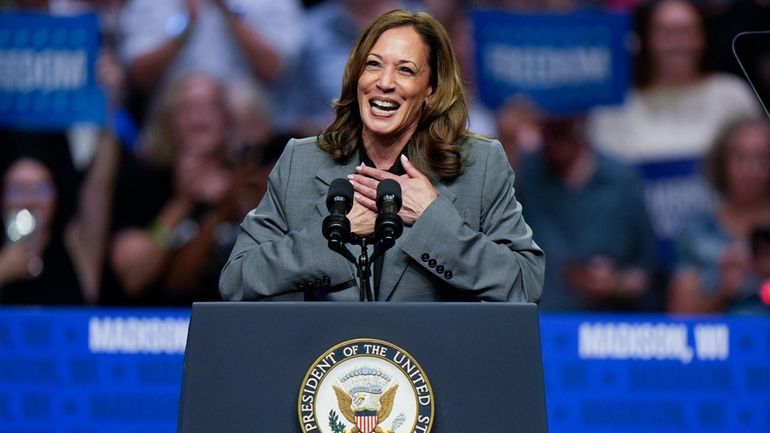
(404, 158)
(350, 176)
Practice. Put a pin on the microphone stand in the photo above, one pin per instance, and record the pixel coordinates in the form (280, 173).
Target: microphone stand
(383, 238)
(364, 266)
(363, 263)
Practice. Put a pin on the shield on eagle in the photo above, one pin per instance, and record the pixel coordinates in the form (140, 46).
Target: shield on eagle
(366, 421)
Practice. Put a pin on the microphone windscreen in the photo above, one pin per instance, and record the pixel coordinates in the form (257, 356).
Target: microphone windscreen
(389, 188)
(340, 191)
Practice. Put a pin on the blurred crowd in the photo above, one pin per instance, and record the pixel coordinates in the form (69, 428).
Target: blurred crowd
(203, 95)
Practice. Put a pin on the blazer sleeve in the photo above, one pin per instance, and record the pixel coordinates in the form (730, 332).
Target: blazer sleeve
(499, 261)
(271, 258)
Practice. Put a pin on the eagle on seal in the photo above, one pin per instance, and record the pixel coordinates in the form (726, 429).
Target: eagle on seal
(353, 405)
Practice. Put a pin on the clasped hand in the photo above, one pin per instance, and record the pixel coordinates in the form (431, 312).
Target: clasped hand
(416, 190)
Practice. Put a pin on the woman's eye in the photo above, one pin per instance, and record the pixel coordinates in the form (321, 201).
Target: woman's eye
(406, 70)
(371, 64)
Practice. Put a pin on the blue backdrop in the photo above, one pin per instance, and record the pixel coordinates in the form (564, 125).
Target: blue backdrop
(94, 370)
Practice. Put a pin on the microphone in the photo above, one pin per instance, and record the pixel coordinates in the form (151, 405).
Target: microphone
(389, 225)
(339, 201)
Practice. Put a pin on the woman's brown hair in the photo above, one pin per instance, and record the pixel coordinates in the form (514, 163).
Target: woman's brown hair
(436, 146)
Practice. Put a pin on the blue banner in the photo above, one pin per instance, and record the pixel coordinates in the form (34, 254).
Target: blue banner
(68, 371)
(657, 374)
(120, 370)
(47, 71)
(566, 63)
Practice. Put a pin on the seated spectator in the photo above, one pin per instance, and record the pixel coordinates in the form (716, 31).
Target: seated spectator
(586, 211)
(714, 267)
(54, 242)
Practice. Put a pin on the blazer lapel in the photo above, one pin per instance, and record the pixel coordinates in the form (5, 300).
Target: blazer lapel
(396, 261)
(327, 175)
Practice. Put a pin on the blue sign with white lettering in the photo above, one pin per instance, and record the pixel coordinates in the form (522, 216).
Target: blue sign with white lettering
(47, 70)
(566, 63)
(120, 371)
(657, 374)
(69, 370)
(674, 191)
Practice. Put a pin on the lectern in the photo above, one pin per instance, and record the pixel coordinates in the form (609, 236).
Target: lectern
(363, 367)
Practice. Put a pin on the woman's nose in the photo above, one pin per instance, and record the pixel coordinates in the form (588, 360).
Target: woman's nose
(386, 79)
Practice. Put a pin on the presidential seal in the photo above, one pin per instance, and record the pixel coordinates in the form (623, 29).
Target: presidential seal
(364, 386)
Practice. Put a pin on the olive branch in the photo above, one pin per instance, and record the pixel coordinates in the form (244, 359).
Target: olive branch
(334, 422)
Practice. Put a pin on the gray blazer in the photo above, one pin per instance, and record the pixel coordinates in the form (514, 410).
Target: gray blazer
(471, 243)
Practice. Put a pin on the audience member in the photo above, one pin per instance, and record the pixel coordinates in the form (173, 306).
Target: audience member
(203, 166)
(54, 243)
(676, 107)
(587, 213)
(227, 39)
(714, 268)
(195, 267)
(183, 176)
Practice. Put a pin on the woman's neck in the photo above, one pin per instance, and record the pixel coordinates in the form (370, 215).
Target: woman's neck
(383, 152)
(676, 81)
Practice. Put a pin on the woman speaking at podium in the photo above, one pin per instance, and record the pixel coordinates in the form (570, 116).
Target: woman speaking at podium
(401, 115)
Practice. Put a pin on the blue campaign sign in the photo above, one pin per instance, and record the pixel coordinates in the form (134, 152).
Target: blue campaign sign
(47, 70)
(566, 63)
(674, 190)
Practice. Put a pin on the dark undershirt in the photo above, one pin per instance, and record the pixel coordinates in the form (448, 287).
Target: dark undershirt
(398, 170)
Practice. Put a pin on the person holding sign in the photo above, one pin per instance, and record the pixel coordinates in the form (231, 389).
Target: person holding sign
(671, 116)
